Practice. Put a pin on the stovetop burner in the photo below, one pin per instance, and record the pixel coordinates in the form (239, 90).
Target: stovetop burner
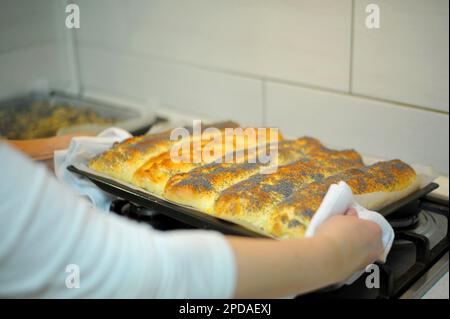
(407, 216)
(423, 218)
(431, 226)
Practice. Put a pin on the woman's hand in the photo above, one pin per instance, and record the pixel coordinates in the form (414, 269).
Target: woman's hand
(278, 268)
(356, 242)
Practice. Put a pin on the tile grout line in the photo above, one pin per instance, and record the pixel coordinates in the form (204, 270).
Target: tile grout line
(264, 102)
(174, 62)
(95, 90)
(352, 47)
(76, 60)
(178, 62)
(70, 43)
(32, 46)
(77, 63)
(398, 104)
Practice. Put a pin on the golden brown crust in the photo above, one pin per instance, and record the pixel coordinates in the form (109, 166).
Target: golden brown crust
(280, 204)
(291, 217)
(252, 199)
(155, 173)
(123, 159)
(200, 187)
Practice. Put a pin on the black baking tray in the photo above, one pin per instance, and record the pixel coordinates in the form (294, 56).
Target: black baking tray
(201, 220)
(181, 213)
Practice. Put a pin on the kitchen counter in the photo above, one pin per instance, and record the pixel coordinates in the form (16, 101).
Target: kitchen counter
(440, 289)
(443, 191)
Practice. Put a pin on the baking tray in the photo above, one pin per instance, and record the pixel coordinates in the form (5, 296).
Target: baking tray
(181, 213)
(201, 220)
(132, 119)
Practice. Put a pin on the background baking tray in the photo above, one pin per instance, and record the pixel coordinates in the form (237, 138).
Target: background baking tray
(201, 220)
(132, 119)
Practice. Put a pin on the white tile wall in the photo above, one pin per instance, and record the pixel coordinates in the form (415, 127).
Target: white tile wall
(34, 48)
(373, 128)
(406, 60)
(186, 88)
(305, 41)
(211, 58)
(37, 68)
(25, 23)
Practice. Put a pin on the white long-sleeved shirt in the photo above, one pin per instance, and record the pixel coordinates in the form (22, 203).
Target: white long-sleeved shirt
(45, 230)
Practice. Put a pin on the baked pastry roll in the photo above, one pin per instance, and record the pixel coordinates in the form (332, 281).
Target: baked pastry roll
(123, 159)
(155, 173)
(374, 187)
(250, 201)
(200, 187)
(239, 187)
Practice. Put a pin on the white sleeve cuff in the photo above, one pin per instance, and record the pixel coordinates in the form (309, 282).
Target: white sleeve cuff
(195, 264)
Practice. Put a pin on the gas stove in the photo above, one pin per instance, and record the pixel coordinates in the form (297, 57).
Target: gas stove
(418, 258)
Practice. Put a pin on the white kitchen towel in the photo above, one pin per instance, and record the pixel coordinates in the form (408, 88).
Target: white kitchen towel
(81, 149)
(337, 201)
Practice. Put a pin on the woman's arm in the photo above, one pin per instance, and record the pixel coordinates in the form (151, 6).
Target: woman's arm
(268, 268)
(55, 245)
(44, 228)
